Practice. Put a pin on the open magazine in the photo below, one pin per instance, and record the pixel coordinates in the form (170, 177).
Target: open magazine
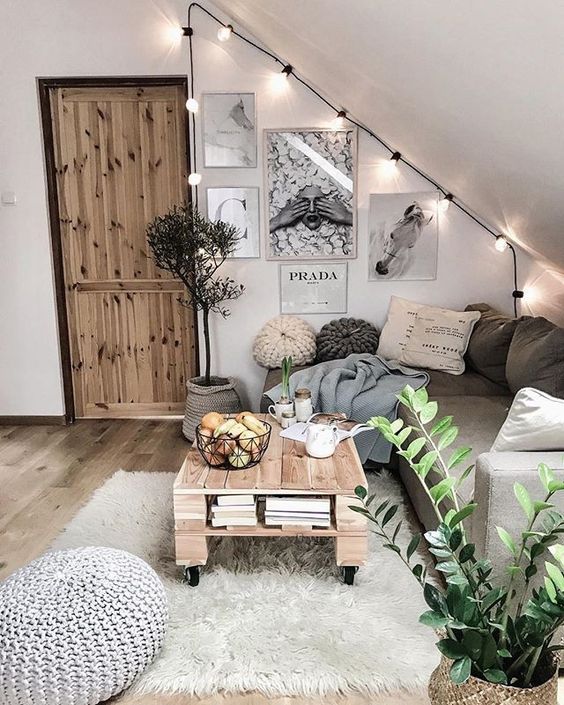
(346, 428)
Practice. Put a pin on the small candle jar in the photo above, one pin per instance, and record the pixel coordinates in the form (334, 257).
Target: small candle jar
(288, 418)
(302, 403)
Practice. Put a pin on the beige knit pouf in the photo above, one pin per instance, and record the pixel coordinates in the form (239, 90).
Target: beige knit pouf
(283, 336)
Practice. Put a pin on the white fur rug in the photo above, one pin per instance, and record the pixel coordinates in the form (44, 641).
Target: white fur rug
(269, 615)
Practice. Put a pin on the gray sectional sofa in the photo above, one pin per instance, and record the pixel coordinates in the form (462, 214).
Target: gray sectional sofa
(504, 355)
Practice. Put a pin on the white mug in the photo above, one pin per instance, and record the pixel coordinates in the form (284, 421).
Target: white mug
(321, 440)
(276, 410)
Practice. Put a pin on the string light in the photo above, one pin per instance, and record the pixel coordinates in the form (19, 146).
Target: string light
(224, 33)
(339, 121)
(444, 204)
(501, 243)
(192, 105)
(280, 79)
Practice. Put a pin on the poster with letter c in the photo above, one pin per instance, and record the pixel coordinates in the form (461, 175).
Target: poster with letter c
(313, 288)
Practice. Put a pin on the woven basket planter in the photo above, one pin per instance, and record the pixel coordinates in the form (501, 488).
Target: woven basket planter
(220, 396)
(442, 691)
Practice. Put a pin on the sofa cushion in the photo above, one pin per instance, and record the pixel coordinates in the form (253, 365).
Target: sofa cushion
(470, 383)
(489, 342)
(535, 422)
(398, 327)
(536, 357)
(439, 339)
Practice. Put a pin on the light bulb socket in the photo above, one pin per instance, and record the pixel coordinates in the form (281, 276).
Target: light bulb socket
(518, 294)
(187, 31)
(287, 70)
(342, 114)
(396, 156)
(448, 197)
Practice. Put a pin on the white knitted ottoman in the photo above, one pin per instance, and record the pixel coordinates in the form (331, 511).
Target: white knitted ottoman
(78, 626)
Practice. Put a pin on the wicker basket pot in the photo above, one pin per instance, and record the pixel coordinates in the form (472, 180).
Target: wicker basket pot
(220, 396)
(442, 691)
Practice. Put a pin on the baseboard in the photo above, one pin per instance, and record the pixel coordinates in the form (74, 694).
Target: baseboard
(33, 420)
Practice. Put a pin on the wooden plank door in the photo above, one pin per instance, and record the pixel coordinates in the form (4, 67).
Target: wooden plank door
(120, 160)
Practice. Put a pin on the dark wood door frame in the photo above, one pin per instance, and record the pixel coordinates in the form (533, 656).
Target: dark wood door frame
(44, 86)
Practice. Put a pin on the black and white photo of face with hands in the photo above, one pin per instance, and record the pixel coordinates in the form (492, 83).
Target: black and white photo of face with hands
(311, 207)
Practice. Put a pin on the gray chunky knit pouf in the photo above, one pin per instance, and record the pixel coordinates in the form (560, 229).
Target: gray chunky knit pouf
(78, 626)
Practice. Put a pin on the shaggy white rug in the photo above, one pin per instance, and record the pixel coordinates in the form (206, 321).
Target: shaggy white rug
(269, 615)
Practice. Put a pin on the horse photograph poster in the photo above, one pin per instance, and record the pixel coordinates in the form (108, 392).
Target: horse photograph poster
(310, 193)
(229, 130)
(238, 206)
(403, 236)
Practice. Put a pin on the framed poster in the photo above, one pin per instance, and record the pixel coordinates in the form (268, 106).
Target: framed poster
(238, 206)
(310, 194)
(313, 288)
(403, 235)
(229, 130)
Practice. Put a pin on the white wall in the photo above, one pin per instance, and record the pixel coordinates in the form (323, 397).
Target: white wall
(133, 37)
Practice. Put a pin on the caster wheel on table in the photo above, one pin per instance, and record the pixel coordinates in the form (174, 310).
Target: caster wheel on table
(192, 575)
(349, 571)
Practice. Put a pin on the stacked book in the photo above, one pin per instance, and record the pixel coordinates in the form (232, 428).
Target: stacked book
(234, 510)
(298, 511)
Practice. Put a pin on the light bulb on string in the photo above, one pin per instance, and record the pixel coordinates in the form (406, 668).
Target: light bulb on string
(194, 178)
(192, 105)
(501, 243)
(390, 165)
(224, 33)
(445, 202)
(280, 79)
(339, 120)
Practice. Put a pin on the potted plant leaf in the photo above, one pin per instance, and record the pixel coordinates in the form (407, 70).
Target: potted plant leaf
(193, 248)
(497, 637)
(284, 403)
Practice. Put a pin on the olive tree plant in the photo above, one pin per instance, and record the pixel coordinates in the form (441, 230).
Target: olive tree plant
(498, 631)
(193, 248)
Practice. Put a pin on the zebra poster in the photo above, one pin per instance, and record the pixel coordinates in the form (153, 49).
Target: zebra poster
(403, 236)
(229, 130)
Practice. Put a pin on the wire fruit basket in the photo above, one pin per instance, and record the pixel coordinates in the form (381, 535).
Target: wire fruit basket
(238, 453)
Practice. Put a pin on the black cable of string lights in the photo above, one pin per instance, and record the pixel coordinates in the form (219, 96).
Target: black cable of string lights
(397, 156)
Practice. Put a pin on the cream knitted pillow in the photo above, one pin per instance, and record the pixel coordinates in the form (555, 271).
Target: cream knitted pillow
(282, 336)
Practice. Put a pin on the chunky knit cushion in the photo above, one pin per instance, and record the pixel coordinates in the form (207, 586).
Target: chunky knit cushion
(77, 626)
(345, 336)
(282, 336)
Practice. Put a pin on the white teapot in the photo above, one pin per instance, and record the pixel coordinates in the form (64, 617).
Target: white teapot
(321, 440)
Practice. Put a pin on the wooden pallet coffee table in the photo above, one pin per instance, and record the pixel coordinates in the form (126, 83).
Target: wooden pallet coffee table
(285, 469)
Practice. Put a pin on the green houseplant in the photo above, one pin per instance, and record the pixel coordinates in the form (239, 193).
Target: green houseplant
(496, 636)
(193, 248)
(286, 372)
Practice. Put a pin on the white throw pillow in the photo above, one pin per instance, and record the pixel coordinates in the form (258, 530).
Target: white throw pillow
(398, 327)
(439, 339)
(535, 422)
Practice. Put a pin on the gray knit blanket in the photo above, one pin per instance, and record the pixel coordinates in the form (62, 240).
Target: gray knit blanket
(361, 386)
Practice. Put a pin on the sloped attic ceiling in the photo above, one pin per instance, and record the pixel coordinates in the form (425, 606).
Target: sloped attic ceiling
(472, 92)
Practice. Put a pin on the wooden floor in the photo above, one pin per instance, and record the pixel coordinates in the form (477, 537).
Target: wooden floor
(48, 472)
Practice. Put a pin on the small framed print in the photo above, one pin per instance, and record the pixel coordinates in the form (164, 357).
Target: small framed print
(313, 288)
(229, 130)
(238, 206)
